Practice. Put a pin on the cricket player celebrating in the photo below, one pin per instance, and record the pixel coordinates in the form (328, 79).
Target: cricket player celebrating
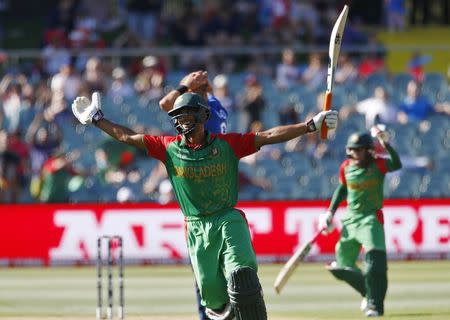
(197, 82)
(203, 170)
(361, 180)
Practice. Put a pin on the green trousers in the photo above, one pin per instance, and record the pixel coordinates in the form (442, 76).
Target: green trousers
(218, 244)
(367, 232)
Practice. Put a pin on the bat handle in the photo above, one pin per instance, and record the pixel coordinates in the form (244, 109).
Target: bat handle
(326, 107)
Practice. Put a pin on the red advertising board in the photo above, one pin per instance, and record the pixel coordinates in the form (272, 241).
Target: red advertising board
(53, 234)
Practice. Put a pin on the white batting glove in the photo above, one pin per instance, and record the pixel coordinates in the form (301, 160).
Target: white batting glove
(379, 131)
(326, 222)
(86, 111)
(329, 117)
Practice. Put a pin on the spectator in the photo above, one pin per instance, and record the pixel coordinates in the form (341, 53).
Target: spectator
(66, 81)
(63, 15)
(371, 63)
(150, 81)
(143, 19)
(9, 171)
(396, 11)
(18, 146)
(251, 102)
(416, 66)
(305, 19)
(347, 71)
(377, 109)
(55, 54)
(43, 137)
(288, 114)
(287, 72)
(94, 76)
(11, 96)
(315, 73)
(120, 86)
(416, 107)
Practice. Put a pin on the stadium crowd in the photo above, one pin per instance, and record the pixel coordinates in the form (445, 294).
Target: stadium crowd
(45, 156)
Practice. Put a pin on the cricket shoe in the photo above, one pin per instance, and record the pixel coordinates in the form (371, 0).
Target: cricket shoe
(372, 313)
(225, 314)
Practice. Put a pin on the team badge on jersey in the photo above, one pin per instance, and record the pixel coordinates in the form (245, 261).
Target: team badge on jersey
(214, 152)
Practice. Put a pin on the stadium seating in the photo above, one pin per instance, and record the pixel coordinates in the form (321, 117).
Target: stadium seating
(296, 175)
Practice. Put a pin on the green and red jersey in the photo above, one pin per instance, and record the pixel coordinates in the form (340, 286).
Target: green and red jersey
(364, 185)
(204, 178)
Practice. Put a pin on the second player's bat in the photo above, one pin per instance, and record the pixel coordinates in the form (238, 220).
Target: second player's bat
(289, 267)
(333, 55)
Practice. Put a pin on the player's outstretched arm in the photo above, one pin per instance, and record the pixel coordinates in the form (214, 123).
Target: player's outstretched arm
(121, 133)
(288, 132)
(88, 112)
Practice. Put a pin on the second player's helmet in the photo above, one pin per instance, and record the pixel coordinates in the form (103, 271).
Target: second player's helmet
(189, 104)
(360, 140)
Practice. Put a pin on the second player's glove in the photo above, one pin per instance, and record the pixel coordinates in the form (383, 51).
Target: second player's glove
(329, 117)
(379, 132)
(326, 222)
(87, 111)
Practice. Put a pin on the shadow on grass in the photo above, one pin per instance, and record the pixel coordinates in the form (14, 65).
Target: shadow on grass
(419, 315)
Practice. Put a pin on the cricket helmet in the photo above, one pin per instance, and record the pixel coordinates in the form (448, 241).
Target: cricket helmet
(189, 104)
(360, 140)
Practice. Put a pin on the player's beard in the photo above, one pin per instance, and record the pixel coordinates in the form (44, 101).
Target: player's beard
(365, 161)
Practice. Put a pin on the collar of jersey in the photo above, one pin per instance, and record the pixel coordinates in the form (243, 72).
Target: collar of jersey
(209, 139)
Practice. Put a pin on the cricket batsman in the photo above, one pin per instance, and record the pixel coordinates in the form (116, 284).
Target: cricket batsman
(197, 82)
(203, 170)
(361, 179)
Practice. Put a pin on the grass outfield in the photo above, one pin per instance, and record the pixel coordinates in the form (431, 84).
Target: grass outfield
(417, 290)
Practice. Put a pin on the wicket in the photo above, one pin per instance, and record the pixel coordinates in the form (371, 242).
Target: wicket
(111, 241)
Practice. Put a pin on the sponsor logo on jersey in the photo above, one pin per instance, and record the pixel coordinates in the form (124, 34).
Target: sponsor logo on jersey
(201, 172)
(362, 185)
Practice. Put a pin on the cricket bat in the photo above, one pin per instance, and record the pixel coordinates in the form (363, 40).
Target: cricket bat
(289, 267)
(333, 55)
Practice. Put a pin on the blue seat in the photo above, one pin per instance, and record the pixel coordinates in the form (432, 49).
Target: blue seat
(405, 185)
(400, 82)
(374, 80)
(435, 81)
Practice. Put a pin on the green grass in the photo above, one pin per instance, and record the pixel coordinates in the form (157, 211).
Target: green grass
(417, 290)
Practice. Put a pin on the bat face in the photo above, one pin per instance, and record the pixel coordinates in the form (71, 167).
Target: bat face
(333, 54)
(305, 252)
(335, 46)
(289, 268)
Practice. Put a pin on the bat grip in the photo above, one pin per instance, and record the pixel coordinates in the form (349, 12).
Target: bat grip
(326, 107)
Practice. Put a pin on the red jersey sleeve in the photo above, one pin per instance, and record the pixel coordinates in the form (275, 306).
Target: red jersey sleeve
(242, 144)
(157, 145)
(342, 178)
(381, 165)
